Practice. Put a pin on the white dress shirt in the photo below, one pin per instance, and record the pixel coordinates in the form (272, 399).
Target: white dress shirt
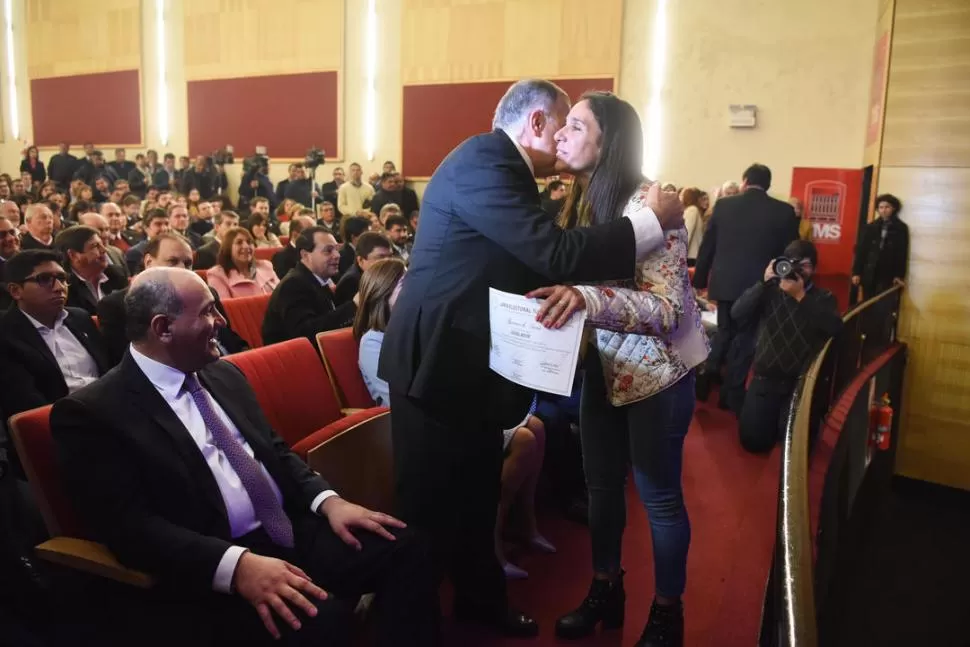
(76, 364)
(94, 288)
(170, 384)
(646, 227)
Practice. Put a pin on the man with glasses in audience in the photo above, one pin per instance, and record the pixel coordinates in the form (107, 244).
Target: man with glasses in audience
(47, 350)
(91, 277)
(165, 250)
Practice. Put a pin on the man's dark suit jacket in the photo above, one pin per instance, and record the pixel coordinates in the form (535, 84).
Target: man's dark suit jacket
(143, 487)
(29, 242)
(205, 256)
(482, 225)
(79, 296)
(118, 260)
(301, 307)
(112, 322)
(347, 286)
(347, 256)
(29, 374)
(285, 260)
(744, 233)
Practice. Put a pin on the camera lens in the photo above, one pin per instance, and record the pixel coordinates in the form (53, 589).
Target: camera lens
(783, 268)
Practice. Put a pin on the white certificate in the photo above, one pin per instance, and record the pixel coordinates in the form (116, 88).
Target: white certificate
(527, 353)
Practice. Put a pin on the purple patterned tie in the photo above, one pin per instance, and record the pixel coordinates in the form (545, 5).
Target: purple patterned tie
(267, 507)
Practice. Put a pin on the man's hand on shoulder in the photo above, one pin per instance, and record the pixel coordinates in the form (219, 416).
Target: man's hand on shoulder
(345, 516)
(271, 585)
(667, 207)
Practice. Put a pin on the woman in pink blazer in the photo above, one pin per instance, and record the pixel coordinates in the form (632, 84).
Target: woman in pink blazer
(237, 273)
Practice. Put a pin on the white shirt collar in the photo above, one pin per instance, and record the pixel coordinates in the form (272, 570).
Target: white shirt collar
(101, 279)
(41, 327)
(169, 381)
(525, 156)
(327, 283)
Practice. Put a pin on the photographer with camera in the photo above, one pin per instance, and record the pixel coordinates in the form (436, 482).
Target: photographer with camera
(794, 318)
(255, 182)
(304, 190)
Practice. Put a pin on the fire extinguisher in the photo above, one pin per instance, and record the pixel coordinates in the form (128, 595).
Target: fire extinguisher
(881, 422)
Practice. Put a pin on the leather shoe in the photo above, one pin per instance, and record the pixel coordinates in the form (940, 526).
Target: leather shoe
(508, 622)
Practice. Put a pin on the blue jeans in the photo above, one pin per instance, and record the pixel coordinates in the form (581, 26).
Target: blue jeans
(650, 435)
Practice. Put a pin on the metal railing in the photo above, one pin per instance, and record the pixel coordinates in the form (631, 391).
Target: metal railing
(790, 605)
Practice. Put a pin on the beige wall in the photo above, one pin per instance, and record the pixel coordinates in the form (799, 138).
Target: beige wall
(805, 64)
(926, 163)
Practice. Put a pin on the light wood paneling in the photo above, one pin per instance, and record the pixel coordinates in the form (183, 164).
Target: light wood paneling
(455, 41)
(877, 88)
(927, 115)
(236, 38)
(66, 38)
(935, 322)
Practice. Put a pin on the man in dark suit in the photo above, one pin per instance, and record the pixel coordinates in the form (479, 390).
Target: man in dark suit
(371, 247)
(165, 250)
(328, 190)
(744, 233)
(96, 221)
(195, 488)
(288, 257)
(61, 166)
(352, 228)
(482, 226)
(205, 256)
(302, 304)
(90, 277)
(46, 349)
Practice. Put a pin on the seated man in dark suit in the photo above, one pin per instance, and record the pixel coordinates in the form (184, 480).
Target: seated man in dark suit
(288, 257)
(46, 349)
(302, 304)
(205, 256)
(99, 223)
(165, 250)
(371, 247)
(155, 222)
(351, 228)
(195, 488)
(90, 278)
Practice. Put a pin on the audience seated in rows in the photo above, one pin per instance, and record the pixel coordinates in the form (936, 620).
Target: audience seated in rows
(90, 276)
(371, 247)
(165, 250)
(237, 272)
(47, 350)
(303, 303)
(243, 533)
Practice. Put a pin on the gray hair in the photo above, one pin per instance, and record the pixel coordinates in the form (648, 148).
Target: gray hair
(523, 98)
(33, 210)
(152, 294)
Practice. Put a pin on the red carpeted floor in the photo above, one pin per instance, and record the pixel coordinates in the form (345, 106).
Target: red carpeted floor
(731, 496)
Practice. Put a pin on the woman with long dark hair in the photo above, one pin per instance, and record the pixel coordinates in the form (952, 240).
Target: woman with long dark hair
(31, 164)
(638, 394)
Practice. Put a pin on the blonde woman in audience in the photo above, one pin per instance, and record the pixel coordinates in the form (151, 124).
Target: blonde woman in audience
(524, 445)
(730, 188)
(695, 206)
(192, 204)
(237, 272)
(262, 236)
(389, 209)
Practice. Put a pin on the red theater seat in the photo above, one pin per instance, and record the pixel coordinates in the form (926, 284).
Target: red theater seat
(31, 433)
(284, 240)
(339, 351)
(246, 317)
(204, 275)
(266, 253)
(292, 388)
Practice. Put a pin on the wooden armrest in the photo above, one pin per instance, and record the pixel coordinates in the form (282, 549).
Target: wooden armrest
(349, 411)
(91, 557)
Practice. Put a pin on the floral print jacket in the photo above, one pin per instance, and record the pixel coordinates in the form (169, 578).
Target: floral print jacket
(648, 331)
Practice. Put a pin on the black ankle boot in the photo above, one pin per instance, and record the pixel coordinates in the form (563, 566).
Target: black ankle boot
(665, 628)
(604, 603)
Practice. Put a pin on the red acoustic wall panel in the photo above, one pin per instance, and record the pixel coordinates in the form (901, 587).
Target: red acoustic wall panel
(439, 117)
(102, 108)
(286, 113)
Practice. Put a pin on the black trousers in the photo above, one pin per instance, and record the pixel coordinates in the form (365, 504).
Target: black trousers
(765, 412)
(398, 572)
(448, 470)
(733, 346)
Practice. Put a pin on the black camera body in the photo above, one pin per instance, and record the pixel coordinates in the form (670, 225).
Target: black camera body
(786, 268)
(257, 161)
(314, 158)
(221, 157)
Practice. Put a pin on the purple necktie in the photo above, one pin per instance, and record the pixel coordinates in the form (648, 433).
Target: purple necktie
(267, 507)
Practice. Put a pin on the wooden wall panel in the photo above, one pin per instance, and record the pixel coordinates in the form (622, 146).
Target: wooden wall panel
(433, 127)
(73, 37)
(237, 38)
(927, 115)
(487, 40)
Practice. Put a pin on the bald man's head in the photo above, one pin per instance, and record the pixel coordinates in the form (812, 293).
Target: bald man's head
(95, 221)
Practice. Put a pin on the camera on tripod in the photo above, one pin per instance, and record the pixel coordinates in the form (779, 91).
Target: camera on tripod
(258, 161)
(787, 268)
(221, 157)
(314, 158)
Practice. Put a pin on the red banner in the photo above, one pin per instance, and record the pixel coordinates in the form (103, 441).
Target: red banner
(831, 201)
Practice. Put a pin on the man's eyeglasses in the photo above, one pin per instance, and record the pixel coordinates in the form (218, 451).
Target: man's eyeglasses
(46, 279)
